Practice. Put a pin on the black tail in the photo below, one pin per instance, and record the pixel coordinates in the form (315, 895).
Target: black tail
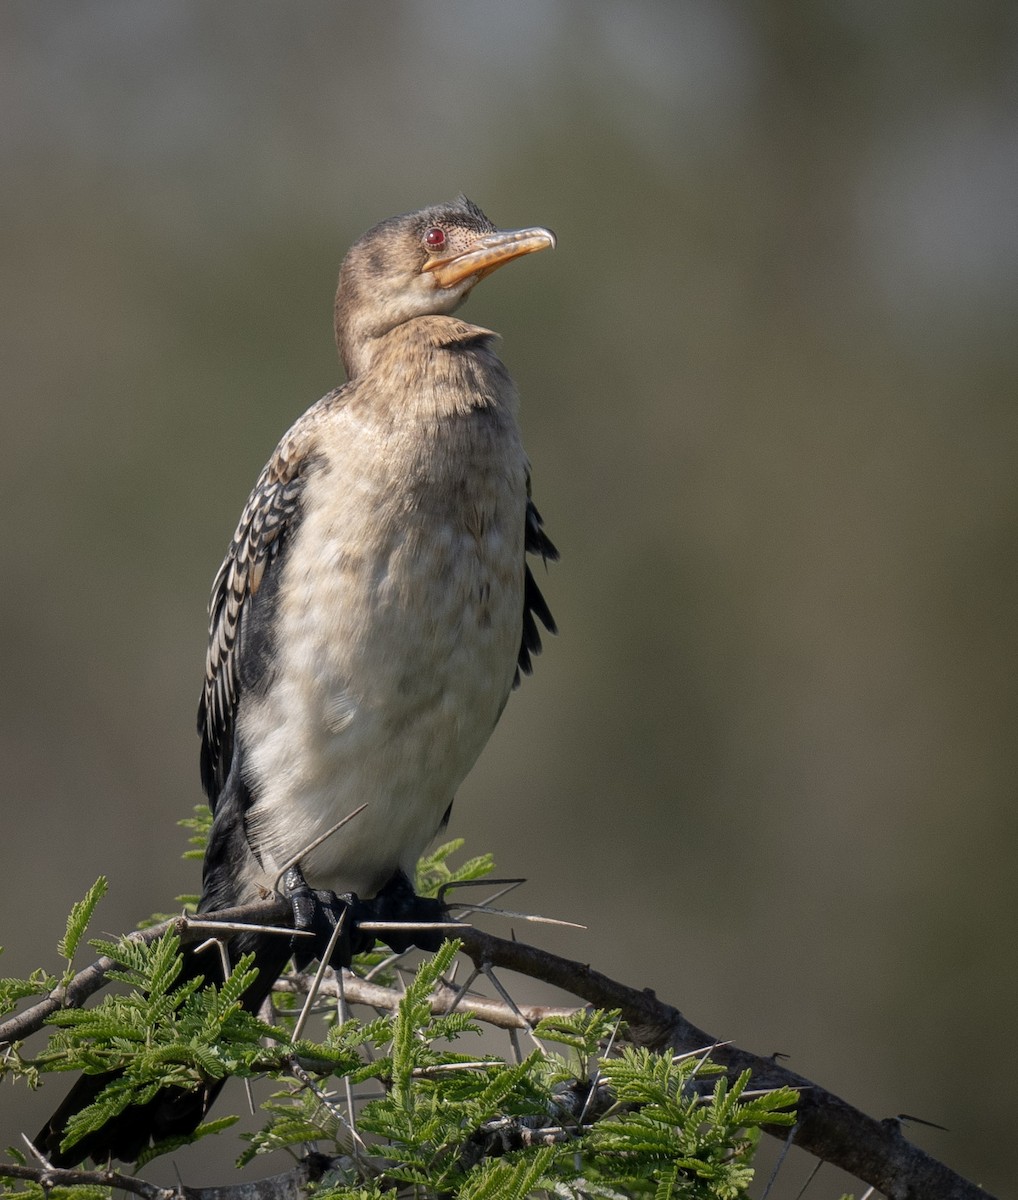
(175, 1111)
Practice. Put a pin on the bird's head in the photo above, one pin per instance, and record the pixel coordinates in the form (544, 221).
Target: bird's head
(420, 264)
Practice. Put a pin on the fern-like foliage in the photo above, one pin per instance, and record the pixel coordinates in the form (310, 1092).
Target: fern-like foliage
(12, 991)
(434, 871)
(668, 1132)
(158, 1034)
(81, 914)
(393, 1102)
(635, 1123)
(200, 824)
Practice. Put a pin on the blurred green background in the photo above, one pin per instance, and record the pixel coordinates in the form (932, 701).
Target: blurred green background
(769, 383)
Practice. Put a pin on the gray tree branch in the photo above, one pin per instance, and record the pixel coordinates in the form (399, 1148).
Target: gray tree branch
(290, 1185)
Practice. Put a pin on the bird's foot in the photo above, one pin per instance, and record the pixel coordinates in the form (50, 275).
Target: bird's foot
(319, 912)
(399, 903)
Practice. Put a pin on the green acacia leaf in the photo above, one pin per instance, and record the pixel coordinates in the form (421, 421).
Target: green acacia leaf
(80, 915)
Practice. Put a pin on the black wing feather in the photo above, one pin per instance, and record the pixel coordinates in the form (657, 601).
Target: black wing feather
(535, 541)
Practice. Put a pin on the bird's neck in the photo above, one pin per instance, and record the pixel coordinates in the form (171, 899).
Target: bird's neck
(412, 341)
(433, 368)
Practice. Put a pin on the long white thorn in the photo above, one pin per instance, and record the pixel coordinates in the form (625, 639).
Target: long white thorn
(292, 862)
(316, 983)
(519, 916)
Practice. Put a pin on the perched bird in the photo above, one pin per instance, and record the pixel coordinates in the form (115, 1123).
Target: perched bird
(371, 616)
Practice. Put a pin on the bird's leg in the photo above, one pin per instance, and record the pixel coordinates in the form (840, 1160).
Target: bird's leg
(398, 901)
(319, 912)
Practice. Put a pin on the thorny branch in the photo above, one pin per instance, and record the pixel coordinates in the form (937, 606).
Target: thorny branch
(291, 1185)
(492, 1012)
(93, 977)
(827, 1126)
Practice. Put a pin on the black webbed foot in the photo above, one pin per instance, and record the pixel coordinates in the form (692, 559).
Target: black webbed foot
(319, 912)
(398, 901)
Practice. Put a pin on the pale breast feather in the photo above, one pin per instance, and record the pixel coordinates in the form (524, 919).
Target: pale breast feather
(242, 604)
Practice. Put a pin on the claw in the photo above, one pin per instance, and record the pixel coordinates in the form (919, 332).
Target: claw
(319, 912)
(398, 902)
(302, 899)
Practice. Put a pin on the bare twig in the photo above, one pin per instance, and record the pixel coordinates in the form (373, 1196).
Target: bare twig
(291, 1185)
(443, 1001)
(51, 1177)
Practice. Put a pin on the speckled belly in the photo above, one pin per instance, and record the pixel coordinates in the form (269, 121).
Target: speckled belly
(399, 648)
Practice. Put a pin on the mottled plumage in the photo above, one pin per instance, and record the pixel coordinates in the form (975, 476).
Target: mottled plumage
(265, 524)
(366, 644)
(373, 611)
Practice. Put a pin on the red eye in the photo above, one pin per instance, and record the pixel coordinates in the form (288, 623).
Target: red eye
(435, 237)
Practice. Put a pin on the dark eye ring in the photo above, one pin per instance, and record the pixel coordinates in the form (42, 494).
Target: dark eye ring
(434, 239)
